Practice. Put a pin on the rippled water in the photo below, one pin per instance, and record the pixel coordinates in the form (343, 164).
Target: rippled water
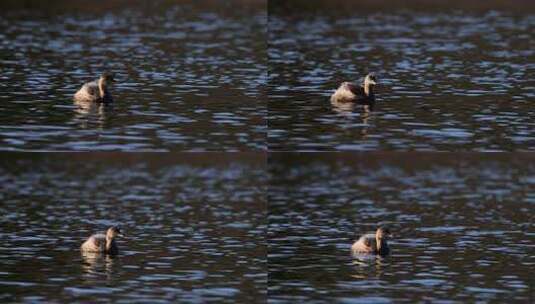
(195, 227)
(463, 227)
(189, 76)
(450, 80)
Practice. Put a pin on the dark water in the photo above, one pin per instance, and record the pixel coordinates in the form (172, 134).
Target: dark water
(450, 79)
(463, 228)
(190, 75)
(195, 226)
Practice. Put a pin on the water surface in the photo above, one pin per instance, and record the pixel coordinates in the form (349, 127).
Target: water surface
(463, 228)
(451, 79)
(189, 75)
(195, 227)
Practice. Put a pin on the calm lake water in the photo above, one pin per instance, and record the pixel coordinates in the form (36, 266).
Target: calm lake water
(450, 79)
(189, 75)
(463, 228)
(195, 226)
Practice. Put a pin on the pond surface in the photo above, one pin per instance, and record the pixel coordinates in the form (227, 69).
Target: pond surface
(463, 228)
(188, 76)
(449, 80)
(195, 228)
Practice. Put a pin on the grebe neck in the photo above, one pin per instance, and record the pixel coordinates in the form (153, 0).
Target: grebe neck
(368, 89)
(109, 243)
(101, 87)
(382, 246)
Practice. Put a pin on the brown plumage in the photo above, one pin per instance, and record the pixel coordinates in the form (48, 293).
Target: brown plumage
(361, 94)
(96, 91)
(104, 243)
(373, 243)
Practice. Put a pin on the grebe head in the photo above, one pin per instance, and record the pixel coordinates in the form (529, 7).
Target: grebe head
(113, 232)
(383, 233)
(370, 80)
(107, 77)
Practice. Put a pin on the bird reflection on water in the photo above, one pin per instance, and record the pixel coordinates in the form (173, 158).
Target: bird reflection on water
(367, 264)
(91, 113)
(347, 111)
(97, 264)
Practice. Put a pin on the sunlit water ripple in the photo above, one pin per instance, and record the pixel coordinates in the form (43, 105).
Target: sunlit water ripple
(463, 228)
(195, 228)
(188, 78)
(448, 81)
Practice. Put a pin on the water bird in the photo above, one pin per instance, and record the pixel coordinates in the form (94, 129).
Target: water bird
(361, 94)
(103, 243)
(96, 91)
(373, 243)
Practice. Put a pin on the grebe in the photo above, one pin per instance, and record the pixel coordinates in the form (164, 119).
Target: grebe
(373, 243)
(102, 243)
(96, 91)
(363, 94)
